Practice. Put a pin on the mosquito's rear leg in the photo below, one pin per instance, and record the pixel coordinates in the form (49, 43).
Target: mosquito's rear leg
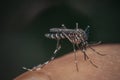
(58, 46)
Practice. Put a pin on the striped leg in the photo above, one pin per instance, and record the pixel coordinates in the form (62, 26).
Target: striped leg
(58, 46)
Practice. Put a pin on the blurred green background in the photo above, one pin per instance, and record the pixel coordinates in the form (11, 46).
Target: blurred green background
(24, 23)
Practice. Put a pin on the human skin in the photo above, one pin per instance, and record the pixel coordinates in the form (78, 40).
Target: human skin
(64, 68)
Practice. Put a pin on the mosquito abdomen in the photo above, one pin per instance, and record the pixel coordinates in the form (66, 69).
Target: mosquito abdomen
(55, 36)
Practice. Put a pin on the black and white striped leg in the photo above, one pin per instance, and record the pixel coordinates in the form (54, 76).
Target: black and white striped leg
(86, 57)
(27, 69)
(75, 58)
(58, 47)
(38, 67)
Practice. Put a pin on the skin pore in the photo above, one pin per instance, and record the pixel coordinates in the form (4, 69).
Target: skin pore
(64, 68)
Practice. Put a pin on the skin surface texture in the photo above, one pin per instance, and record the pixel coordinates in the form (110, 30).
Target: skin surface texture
(63, 68)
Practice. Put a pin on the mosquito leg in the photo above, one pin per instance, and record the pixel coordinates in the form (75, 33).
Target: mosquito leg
(27, 69)
(75, 57)
(78, 46)
(52, 58)
(96, 51)
(93, 63)
(58, 46)
(86, 57)
(94, 44)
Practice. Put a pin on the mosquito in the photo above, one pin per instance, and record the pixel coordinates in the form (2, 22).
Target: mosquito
(78, 37)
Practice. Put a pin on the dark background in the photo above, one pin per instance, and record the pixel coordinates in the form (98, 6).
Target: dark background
(24, 23)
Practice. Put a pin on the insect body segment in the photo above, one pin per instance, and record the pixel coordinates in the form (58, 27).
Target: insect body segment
(55, 36)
